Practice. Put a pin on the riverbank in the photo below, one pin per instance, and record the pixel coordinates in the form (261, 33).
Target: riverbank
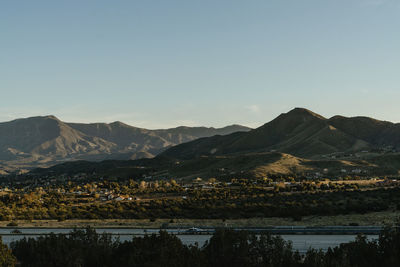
(375, 218)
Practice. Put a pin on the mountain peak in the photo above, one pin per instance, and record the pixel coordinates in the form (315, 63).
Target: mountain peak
(49, 117)
(52, 117)
(304, 112)
(118, 123)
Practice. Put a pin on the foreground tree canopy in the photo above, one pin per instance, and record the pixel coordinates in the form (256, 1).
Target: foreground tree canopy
(225, 248)
(6, 257)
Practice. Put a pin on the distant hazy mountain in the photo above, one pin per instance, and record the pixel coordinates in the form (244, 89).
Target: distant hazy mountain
(44, 140)
(299, 132)
(40, 137)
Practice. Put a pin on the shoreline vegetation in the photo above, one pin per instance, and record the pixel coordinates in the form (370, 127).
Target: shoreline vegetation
(226, 248)
(368, 219)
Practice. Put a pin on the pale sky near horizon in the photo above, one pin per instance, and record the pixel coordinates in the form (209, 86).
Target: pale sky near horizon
(159, 64)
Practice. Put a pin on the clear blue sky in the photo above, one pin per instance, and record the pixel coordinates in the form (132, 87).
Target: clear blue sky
(159, 64)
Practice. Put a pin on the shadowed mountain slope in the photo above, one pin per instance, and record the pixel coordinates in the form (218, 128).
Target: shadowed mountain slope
(150, 142)
(251, 165)
(299, 132)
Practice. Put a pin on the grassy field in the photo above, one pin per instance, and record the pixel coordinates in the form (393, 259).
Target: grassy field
(376, 218)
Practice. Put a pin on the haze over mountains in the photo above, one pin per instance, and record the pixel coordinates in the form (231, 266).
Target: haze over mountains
(42, 141)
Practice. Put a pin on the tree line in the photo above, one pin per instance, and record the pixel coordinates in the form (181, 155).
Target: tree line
(226, 248)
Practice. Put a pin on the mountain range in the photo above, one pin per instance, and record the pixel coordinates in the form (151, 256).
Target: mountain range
(301, 133)
(299, 141)
(44, 141)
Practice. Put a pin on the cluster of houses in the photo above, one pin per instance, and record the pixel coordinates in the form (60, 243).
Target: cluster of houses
(117, 198)
(324, 172)
(106, 195)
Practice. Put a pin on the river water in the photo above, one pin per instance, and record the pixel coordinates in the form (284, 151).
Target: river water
(300, 242)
